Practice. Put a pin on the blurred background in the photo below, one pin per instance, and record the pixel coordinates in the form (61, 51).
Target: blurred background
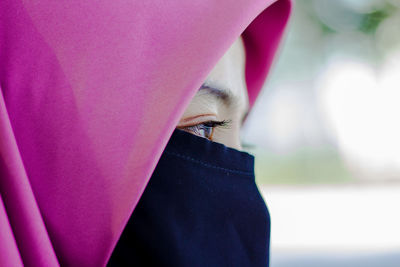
(326, 135)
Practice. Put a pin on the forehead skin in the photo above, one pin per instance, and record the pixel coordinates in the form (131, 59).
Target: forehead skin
(228, 76)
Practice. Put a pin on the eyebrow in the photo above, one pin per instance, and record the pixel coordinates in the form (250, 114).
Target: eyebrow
(223, 95)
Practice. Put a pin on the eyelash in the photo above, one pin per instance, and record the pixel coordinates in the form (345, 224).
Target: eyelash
(208, 125)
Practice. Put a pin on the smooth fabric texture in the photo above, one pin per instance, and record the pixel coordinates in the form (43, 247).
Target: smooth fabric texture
(201, 207)
(90, 93)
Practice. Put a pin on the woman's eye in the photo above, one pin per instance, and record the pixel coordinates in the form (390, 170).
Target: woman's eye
(205, 129)
(201, 130)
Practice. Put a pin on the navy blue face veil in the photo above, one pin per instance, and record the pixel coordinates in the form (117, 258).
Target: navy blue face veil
(201, 207)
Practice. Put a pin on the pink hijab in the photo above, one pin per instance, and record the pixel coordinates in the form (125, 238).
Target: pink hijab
(90, 93)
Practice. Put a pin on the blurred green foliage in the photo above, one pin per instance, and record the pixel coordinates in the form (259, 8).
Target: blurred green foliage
(321, 30)
(371, 21)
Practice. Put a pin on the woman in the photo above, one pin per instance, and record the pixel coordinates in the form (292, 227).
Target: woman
(201, 206)
(91, 92)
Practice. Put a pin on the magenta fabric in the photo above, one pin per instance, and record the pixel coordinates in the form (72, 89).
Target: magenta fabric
(90, 93)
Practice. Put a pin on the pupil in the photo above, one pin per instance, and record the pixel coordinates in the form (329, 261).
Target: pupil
(207, 130)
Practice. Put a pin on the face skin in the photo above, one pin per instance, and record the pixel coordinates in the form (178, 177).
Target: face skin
(219, 107)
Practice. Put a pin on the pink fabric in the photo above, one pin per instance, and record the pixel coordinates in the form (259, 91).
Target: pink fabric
(90, 94)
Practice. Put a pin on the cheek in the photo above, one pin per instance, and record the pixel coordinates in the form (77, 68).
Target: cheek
(229, 136)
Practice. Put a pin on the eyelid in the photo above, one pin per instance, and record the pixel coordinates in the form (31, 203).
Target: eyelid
(194, 120)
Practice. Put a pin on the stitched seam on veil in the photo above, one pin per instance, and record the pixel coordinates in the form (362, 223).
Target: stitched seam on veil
(207, 164)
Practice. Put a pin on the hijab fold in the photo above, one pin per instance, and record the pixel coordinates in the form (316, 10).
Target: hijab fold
(90, 93)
